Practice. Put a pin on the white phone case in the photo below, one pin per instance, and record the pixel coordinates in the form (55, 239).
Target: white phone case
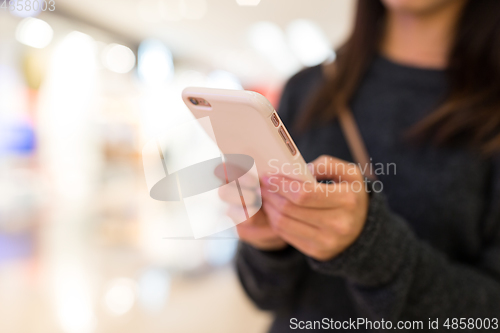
(244, 122)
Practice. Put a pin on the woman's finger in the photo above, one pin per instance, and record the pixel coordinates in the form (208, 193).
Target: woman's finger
(286, 225)
(311, 241)
(329, 167)
(313, 216)
(314, 195)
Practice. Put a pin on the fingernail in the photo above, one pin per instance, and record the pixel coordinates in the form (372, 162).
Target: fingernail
(310, 167)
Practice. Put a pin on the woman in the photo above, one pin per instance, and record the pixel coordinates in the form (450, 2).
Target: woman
(422, 78)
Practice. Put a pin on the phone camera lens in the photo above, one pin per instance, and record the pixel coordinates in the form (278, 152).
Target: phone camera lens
(193, 100)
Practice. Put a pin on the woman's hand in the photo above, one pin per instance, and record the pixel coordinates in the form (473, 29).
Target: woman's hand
(320, 220)
(255, 231)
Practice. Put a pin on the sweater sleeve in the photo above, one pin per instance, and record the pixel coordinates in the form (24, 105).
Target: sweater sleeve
(270, 277)
(395, 276)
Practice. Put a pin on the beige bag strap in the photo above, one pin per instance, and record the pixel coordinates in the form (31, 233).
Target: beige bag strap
(352, 134)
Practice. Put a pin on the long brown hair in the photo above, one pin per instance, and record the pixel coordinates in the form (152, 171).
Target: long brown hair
(470, 113)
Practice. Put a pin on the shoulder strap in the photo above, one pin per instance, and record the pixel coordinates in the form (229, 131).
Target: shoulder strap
(351, 132)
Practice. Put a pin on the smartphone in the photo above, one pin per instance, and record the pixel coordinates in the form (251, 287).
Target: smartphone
(245, 122)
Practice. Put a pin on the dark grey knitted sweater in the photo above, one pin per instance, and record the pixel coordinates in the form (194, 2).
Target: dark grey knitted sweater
(431, 244)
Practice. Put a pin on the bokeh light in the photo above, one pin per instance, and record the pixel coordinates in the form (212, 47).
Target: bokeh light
(154, 289)
(34, 32)
(155, 65)
(308, 42)
(120, 296)
(223, 80)
(268, 39)
(118, 58)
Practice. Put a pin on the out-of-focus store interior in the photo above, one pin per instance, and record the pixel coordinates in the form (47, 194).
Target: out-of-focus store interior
(83, 247)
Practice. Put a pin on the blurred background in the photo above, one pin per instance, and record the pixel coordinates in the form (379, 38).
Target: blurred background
(83, 86)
